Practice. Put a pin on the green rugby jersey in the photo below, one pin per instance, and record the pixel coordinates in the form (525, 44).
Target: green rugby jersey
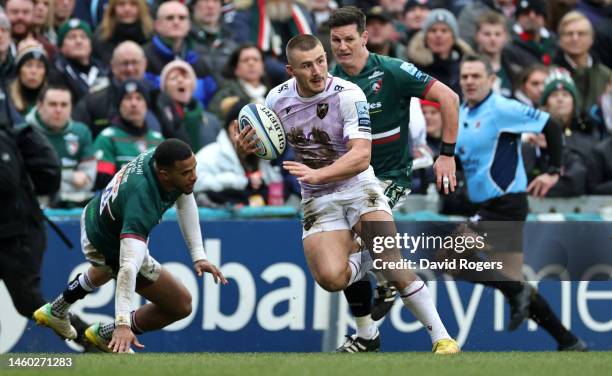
(73, 143)
(115, 147)
(389, 84)
(130, 206)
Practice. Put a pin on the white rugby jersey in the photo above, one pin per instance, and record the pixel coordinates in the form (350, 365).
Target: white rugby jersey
(319, 128)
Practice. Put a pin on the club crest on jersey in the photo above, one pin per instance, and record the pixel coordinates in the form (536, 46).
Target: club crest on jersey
(72, 144)
(376, 86)
(322, 109)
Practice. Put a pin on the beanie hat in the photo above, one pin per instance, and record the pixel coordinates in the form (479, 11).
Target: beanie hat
(559, 79)
(176, 64)
(130, 85)
(70, 25)
(441, 15)
(526, 6)
(411, 4)
(29, 52)
(5, 23)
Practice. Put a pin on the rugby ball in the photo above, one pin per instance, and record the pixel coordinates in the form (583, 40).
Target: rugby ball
(271, 139)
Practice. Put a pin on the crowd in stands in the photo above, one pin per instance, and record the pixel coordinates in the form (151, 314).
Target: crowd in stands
(105, 80)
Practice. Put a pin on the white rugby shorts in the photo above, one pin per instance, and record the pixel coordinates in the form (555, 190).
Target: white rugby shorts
(150, 268)
(341, 210)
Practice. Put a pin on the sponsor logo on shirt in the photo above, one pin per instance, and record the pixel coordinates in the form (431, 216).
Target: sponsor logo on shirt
(363, 116)
(375, 106)
(376, 74)
(412, 70)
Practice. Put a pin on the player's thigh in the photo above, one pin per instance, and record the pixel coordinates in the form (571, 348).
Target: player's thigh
(166, 292)
(327, 253)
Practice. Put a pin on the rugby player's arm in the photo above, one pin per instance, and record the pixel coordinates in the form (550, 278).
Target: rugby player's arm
(132, 252)
(449, 107)
(356, 160)
(189, 222)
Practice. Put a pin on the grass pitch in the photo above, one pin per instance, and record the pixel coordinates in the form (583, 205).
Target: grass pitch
(218, 364)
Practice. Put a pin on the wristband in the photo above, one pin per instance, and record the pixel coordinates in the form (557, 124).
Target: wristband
(447, 149)
(122, 319)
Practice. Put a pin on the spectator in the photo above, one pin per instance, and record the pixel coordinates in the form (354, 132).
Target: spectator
(395, 9)
(415, 13)
(433, 122)
(123, 20)
(128, 136)
(601, 180)
(211, 36)
(96, 109)
(591, 77)
(6, 57)
(276, 23)
(74, 66)
(31, 67)
(530, 42)
(437, 50)
(321, 10)
(181, 115)
(491, 37)
(63, 11)
(19, 13)
(225, 176)
(531, 85)
(470, 13)
(244, 75)
(381, 32)
(423, 177)
(72, 143)
(42, 26)
(90, 11)
(599, 13)
(559, 99)
(171, 42)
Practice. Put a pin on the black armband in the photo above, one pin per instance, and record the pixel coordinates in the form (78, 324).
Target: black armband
(447, 149)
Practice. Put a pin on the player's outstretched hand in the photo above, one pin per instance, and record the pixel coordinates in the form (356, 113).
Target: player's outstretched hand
(540, 186)
(444, 168)
(246, 141)
(303, 173)
(205, 266)
(123, 338)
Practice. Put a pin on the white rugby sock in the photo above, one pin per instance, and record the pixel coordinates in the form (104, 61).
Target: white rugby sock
(360, 263)
(366, 328)
(417, 299)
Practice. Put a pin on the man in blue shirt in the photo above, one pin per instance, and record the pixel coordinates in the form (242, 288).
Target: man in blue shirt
(488, 145)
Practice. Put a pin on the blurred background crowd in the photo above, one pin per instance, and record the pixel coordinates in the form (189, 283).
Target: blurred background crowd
(105, 80)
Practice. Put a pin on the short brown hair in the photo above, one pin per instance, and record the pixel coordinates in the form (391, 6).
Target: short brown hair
(492, 18)
(348, 16)
(304, 42)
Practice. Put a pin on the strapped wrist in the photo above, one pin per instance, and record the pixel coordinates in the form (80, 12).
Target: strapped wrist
(447, 149)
